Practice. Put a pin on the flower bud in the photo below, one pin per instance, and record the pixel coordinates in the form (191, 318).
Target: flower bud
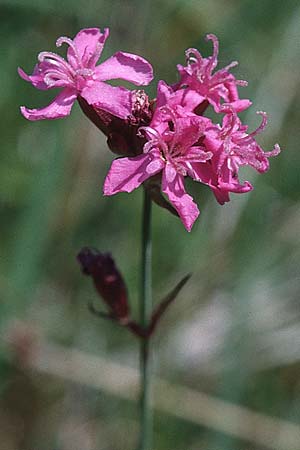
(107, 280)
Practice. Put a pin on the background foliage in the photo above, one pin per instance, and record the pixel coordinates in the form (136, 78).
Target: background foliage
(235, 330)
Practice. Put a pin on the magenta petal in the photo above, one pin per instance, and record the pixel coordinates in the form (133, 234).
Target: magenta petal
(173, 187)
(187, 131)
(163, 94)
(115, 100)
(187, 98)
(232, 87)
(237, 106)
(241, 105)
(89, 44)
(125, 66)
(126, 174)
(205, 173)
(235, 186)
(36, 79)
(222, 191)
(212, 143)
(221, 196)
(60, 107)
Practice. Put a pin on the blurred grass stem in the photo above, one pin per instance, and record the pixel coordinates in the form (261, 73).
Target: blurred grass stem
(145, 441)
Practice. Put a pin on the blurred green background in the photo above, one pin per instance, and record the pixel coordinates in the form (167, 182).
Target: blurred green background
(234, 332)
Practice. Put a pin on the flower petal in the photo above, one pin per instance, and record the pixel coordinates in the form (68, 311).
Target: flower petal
(188, 130)
(211, 142)
(182, 101)
(60, 107)
(205, 173)
(173, 187)
(126, 174)
(237, 106)
(163, 93)
(36, 79)
(222, 191)
(115, 100)
(221, 184)
(125, 66)
(222, 196)
(187, 98)
(89, 44)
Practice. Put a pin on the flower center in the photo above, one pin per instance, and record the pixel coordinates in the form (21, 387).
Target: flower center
(57, 72)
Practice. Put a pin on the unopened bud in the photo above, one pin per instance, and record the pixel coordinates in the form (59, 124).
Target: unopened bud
(107, 280)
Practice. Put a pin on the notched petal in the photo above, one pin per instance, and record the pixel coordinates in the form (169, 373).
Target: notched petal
(182, 202)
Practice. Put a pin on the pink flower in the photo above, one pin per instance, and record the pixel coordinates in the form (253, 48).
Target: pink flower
(79, 76)
(213, 87)
(174, 153)
(232, 147)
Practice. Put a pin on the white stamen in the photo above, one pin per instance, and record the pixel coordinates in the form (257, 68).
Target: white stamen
(53, 76)
(68, 41)
(242, 83)
(57, 61)
(85, 72)
(213, 60)
(193, 56)
(231, 65)
(261, 127)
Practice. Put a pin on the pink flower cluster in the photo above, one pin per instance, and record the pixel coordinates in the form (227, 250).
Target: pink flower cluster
(178, 141)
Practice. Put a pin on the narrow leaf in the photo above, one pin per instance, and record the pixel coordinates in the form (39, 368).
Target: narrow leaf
(164, 304)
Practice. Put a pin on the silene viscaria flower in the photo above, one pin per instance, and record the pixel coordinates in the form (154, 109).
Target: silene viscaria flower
(173, 151)
(79, 75)
(216, 88)
(232, 148)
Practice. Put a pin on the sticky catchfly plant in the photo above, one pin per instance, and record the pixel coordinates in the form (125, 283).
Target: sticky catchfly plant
(161, 141)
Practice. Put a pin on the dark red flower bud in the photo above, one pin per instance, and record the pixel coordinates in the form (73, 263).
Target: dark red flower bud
(107, 280)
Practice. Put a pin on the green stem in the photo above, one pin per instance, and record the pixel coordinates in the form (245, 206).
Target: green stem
(145, 314)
